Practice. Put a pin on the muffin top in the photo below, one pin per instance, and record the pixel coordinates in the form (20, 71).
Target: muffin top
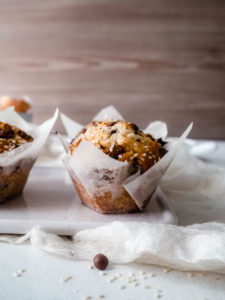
(12, 137)
(122, 141)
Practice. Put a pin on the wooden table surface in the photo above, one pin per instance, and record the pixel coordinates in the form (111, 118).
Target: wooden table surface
(152, 59)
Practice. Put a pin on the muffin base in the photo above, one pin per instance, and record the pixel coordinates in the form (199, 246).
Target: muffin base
(103, 203)
(13, 179)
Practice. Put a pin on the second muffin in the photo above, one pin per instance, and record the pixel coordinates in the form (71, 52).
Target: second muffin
(125, 142)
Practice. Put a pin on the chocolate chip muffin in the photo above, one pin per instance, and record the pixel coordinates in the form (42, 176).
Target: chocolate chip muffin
(13, 178)
(125, 142)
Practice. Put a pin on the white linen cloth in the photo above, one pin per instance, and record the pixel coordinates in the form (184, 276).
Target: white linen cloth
(196, 191)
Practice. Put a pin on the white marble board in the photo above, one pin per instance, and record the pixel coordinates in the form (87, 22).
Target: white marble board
(50, 201)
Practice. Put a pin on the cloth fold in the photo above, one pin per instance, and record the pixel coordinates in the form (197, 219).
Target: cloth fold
(197, 247)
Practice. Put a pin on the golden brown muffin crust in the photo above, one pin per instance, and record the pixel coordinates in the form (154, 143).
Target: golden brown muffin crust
(12, 137)
(122, 141)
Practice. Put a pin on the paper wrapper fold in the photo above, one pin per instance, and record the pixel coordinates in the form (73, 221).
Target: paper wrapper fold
(16, 164)
(97, 176)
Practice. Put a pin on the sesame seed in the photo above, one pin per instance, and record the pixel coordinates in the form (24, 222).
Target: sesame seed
(142, 159)
(68, 278)
(120, 156)
(144, 154)
(102, 273)
(150, 157)
(135, 144)
(135, 155)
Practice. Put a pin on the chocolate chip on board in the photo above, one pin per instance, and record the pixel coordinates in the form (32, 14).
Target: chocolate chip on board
(101, 261)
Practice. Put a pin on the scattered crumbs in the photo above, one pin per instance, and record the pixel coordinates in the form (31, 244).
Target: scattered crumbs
(113, 277)
(147, 287)
(142, 159)
(102, 273)
(136, 284)
(152, 275)
(101, 296)
(122, 287)
(21, 271)
(142, 272)
(111, 280)
(15, 274)
(87, 298)
(158, 296)
(91, 267)
(145, 277)
(167, 270)
(131, 274)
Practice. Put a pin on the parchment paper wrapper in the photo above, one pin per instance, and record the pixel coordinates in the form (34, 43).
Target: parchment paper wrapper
(97, 176)
(16, 164)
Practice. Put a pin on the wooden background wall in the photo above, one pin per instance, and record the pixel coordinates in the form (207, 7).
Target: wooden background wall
(153, 59)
